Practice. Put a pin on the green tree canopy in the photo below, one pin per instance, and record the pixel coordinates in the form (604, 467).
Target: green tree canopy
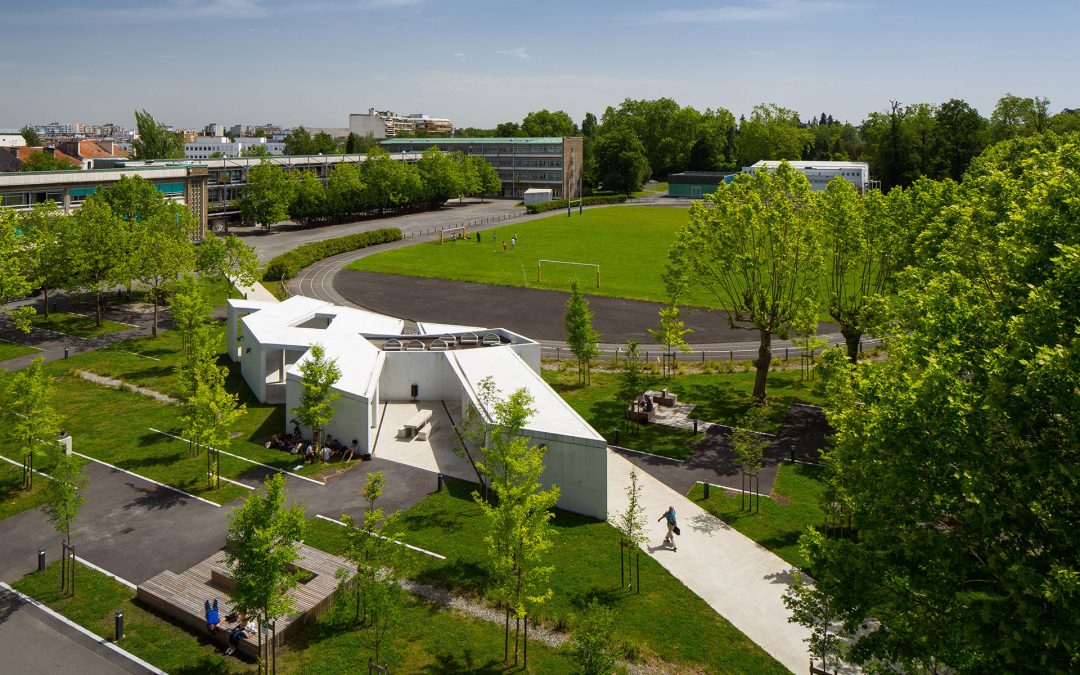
(40, 160)
(269, 193)
(621, 165)
(154, 140)
(771, 132)
(547, 123)
(31, 136)
(581, 337)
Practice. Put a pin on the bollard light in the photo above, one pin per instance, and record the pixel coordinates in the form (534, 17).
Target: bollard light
(41, 560)
(616, 436)
(695, 426)
(706, 489)
(119, 625)
(439, 483)
(66, 351)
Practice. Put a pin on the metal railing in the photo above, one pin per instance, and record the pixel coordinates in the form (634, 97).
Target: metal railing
(705, 355)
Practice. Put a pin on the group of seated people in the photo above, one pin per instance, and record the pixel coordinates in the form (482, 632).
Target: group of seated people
(332, 448)
(242, 625)
(643, 404)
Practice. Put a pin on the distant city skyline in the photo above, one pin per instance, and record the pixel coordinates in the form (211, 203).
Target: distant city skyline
(481, 62)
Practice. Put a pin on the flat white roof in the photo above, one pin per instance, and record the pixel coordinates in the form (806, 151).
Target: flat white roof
(812, 164)
(553, 415)
(427, 328)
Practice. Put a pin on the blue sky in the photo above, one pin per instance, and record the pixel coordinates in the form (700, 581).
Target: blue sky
(479, 62)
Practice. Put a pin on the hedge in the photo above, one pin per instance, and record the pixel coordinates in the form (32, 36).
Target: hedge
(286, 265)
(561, 203)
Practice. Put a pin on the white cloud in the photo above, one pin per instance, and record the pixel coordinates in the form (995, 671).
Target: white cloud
(519, 53)
(749, 12)
(459, 56)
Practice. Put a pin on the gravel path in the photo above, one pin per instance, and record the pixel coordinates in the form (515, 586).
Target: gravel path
(120, 384)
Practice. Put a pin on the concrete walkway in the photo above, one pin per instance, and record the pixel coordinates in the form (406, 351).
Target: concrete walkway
(741, 580)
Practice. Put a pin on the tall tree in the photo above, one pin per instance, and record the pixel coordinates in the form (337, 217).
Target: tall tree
(262, 547)
(31, 136)
(441, 176)
(310, 198)
(962, 133)
(581, 337)
(487, 177)
(229, 258)
(162, 251)
(771, 132)
(547, 123)
(13, 279)
(316, 408)
(631, 526)
(957, 457)
(299, 142)
(1015, 117)
(40, 160)
(861, 238)
(754, 246)
(269, 193)
(621, 165)
(30, 421)
(153, 140)
(672, 334)
(45, 256)
(98, 240)
(519, 527)
(592, 641)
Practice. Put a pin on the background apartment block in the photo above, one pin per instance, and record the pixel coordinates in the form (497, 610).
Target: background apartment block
(386, 124)
(550, 163)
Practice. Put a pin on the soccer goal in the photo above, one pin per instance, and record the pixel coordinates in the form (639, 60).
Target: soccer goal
(453, 233)
(540, 268)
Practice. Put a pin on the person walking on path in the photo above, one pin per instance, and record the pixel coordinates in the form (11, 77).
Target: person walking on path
(672, 527)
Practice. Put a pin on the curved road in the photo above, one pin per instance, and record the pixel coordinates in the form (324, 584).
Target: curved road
(534, 313)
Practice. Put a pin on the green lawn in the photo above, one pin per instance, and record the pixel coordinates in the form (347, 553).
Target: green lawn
(13, 499)
(795, 505)
(629, 243)
(720, 397)
(12, 350)
(78, 325)
(426, 639)
(658, 622)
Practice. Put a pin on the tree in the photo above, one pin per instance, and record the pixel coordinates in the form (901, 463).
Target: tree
(310, 198)
(581, 337)
(773, 133)
(153, 140)
(440, 175)
(631, 526)
(40, 160)
(956, 458)
(262, 547)
(861, 241)
(62, 503)
(256, 150)
(621, 165)
(508, 130)
(211, 413)
(592, 641)
(713, 147)
(634, 379)
(324, 144)
(962, 133)
(269, 193)
(667, 131)
(352, 143)
(749, 448)
(754, 246)
(30, 421)
(377, 589)
(548, 123)
(299, 142)
(45, 256)
(345, 190)
(1016, 117)
(812, 608)
(13, 279)
(488, 180)
(519, 528)
(229, 258)
(98, 240)
(162, 251)
(32, 137)
(317, 397)
(672, 334)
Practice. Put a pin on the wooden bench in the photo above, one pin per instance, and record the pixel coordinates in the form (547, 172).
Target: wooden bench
(664, 398)
(168, 593)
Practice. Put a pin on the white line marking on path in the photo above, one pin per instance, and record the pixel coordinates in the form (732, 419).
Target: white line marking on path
(272, 468)
(107, 573)
(148, 480)
(235, 482)
(40, 473)
(399, 543)
(141, 356)
(96, 638)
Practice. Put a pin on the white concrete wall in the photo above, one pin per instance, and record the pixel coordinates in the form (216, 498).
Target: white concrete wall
(580, 471)
(425, 369)
(351, 415)
(253, 368)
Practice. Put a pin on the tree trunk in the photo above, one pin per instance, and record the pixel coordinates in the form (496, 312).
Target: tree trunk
(852, 336)
(46, 291)
(153, 330)
(97, 306)
(763, 360)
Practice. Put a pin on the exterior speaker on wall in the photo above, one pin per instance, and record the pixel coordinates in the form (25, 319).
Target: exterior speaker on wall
(415, 390)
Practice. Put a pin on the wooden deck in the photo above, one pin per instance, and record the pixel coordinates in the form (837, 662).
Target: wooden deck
(183, 596)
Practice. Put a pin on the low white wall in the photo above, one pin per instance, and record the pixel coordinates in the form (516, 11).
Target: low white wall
(580, 471)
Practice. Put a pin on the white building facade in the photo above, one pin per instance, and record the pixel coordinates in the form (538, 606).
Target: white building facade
(819, 173)
(442, 368)
(205, 147)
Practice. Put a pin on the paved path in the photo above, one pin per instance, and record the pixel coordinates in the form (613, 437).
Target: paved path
(35, 641)
(741, 580)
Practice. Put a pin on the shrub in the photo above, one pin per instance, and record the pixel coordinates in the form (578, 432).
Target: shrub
(561, 203)
(286, 265)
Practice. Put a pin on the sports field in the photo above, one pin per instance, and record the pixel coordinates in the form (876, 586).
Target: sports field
(630, 243)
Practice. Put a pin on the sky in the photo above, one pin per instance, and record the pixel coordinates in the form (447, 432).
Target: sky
(481, 62)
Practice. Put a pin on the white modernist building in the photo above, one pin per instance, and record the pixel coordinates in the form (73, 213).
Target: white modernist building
(206, 147)
(819, 173)
(441, 368)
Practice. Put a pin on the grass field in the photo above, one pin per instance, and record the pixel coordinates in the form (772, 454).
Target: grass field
(796, 505)
(655, 623)
(630, 244)
(722, 397)
(77, 325)
(11, 350)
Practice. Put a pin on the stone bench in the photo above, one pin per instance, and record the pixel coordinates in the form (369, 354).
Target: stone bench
(427, 430)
